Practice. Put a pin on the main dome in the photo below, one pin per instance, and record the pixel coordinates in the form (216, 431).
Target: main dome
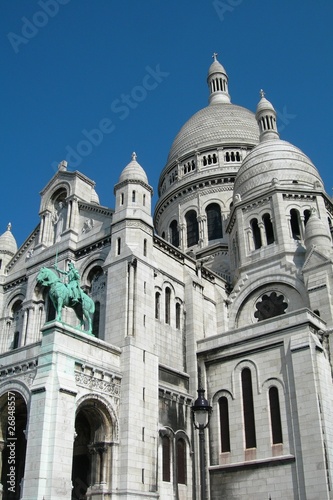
(218, 123)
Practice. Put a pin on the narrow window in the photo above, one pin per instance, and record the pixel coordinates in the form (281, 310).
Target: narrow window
(306, 214)
(248, 409)
(133, 196)
(174, 233)
(268, 228)
(96, 319)
(121, 198)
(178, 315)
(274, 405)
(214, 221)
(167, 305)
(181, 461)
(144, 200)
(224, 424)
(256, 234)
(166, 455)
(157, 305)
(294, 224)
(16, 340)
(118, 246)
(192, 228)
(145, 247)
(0, 263)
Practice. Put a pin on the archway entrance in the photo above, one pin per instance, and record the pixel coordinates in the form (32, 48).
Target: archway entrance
(92, 450)
(13, 415)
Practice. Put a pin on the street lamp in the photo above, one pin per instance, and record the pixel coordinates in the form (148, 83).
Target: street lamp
(201, 411)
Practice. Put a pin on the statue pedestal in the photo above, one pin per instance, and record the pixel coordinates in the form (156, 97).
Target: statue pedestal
(50, 434)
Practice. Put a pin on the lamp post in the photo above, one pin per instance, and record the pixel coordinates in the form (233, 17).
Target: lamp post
(201, 411)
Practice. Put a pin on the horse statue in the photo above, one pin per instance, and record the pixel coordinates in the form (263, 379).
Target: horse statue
(61, 295)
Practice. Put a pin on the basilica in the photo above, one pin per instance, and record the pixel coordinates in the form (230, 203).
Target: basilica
(112, 320)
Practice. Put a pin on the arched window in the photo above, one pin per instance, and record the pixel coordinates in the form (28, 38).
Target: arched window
(256, 234)
(157, 305)
(214, 221)
(177, 315)
(174, 233)
(248, 409)
(133, 196)
(17, 323)
(192, 228)
(224, 424)
(295, 224)
(268, 228)
(181, 461)
(167, 305)
(166, 459)
(145, 247)
(274, 405)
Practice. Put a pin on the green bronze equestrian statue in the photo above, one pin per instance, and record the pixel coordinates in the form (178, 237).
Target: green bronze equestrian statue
(68, 294)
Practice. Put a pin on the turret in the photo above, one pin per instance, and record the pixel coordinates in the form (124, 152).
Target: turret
(8, 248)
(266, 118)
(217, 80)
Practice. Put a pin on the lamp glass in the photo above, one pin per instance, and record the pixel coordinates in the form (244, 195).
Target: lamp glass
(201, 417)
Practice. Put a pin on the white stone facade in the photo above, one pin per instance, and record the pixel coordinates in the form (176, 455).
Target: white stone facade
(228, 285)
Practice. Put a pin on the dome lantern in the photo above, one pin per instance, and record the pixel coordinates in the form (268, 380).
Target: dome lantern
(217, 82)
(266, 118)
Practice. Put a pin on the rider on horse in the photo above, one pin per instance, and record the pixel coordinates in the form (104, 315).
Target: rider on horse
(73, 285)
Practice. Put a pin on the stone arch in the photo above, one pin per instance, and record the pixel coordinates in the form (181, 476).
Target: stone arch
(246, 363)
(96, 432)
(61, 191)
(243, 304)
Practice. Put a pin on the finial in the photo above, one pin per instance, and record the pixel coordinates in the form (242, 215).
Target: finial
(62, 165)
(9, 226)
(214, 56)
(262, 93)
(134, 156)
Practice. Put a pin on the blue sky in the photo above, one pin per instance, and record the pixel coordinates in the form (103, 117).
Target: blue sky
(136, 71)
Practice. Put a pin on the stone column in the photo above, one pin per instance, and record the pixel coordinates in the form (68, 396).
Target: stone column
(182, 236)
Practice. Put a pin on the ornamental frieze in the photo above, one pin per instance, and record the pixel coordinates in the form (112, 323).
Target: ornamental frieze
(98, 381)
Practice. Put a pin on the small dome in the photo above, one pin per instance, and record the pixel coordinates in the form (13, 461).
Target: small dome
(216, 67)
(264, 104)
(133, 172)
(278, 162)
(7, 242)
